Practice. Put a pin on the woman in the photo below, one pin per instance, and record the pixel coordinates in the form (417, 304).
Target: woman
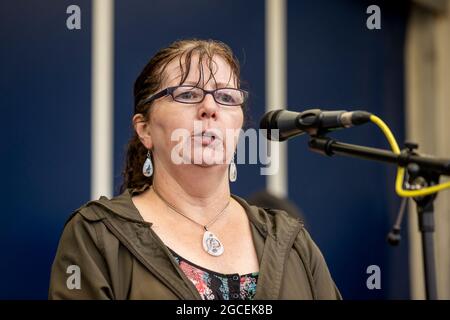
(176, 232)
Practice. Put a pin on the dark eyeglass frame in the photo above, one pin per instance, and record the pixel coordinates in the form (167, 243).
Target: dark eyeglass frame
(170, 91)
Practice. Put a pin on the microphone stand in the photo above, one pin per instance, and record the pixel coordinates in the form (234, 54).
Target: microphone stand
(422, 171)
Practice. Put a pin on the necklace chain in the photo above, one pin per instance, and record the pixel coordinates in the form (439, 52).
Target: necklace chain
(206, 226)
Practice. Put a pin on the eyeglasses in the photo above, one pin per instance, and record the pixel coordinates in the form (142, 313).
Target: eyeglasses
(192, 95)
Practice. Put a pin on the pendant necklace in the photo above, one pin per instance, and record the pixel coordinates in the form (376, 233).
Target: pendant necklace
(211, 243)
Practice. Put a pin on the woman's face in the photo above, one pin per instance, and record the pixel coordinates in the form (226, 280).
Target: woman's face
(203, 134)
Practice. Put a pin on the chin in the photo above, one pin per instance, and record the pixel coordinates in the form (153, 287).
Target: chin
(206, 157)
(209, 162)
(203, 161)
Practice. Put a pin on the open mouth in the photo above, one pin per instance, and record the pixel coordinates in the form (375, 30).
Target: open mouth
(206, 138)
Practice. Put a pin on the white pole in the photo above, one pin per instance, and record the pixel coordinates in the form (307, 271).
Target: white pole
(102, 98)
(276, 86)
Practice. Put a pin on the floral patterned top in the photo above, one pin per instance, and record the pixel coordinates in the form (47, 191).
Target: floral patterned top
(212, 285)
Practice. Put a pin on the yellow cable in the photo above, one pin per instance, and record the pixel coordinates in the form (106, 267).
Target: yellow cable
(401, 170)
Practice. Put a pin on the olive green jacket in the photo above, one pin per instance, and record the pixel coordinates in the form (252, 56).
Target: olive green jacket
(120, 257)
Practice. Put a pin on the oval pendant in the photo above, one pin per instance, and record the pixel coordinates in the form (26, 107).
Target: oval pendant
(233, 172)
(147, 169)
(212, 244)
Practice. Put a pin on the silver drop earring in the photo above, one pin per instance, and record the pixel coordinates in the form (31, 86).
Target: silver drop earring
(232, 170)
(147, 169)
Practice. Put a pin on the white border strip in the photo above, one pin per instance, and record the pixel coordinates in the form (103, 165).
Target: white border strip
(276, 86)
(102, 98)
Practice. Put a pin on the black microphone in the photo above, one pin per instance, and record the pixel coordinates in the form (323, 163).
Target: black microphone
(312, 122)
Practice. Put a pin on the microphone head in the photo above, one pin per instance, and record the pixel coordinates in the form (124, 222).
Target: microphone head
(280, 124)
(268, 123)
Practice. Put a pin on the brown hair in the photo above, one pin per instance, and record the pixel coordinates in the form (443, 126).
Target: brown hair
(149, 82)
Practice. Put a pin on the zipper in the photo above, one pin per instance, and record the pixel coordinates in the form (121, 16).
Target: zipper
(286, 251)
(282, 254)
(176, 265)
(142, 260)
(114, 230)
(308, 271)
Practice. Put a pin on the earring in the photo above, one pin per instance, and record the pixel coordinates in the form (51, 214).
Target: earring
(232, 170)
(147, 169)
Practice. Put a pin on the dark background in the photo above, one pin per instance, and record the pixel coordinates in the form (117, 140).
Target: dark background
(334, 62)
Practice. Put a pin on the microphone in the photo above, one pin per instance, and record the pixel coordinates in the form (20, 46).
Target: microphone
(312, 122)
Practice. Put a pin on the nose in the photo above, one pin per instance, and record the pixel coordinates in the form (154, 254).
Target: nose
(208, 108)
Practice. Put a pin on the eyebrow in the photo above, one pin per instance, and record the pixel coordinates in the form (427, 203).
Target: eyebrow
(218, 84)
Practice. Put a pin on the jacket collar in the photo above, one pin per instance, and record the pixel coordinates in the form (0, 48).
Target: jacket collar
(273, 233)
(123, 206)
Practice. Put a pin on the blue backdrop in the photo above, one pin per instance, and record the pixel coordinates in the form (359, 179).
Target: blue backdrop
(334, 61)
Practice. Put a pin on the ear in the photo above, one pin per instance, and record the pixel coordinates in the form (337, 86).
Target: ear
(142, 128)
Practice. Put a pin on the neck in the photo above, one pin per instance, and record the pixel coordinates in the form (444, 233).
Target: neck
(200, 192)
